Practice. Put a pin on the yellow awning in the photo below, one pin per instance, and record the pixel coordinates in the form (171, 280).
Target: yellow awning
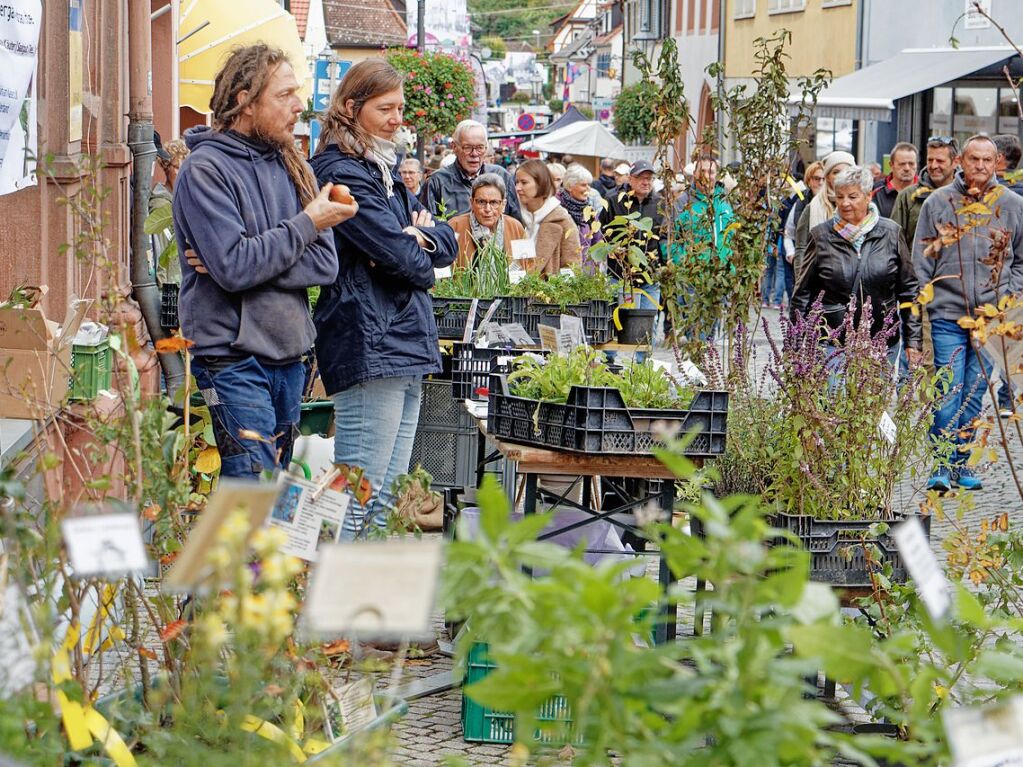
(222, 26)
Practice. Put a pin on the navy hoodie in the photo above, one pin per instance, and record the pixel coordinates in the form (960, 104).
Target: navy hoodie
(237, 208)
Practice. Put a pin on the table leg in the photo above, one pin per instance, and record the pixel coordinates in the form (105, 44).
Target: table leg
(666, 628)
(529, 504)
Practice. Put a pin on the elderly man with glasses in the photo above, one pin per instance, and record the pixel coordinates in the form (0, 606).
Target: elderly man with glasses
(447, 193)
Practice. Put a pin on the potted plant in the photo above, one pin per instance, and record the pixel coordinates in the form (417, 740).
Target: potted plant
(626, 240)
(824, 435)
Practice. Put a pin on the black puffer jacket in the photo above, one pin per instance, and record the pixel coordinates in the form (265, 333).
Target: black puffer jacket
(886, 277)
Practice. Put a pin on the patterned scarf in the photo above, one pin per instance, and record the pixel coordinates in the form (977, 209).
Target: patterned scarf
(385, 154)
(480, 234)
(855, 234)
(574, 207)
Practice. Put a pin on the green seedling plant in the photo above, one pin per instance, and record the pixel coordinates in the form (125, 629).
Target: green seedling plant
(485, 277)
(565, 290)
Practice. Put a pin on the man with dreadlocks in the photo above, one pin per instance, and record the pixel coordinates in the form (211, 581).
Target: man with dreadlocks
(253, 232)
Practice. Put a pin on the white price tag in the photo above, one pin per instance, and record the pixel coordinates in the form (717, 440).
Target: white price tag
(105, 544)
(986, 736)
(888, 428)
(566, 272)
(440, 274)
(523, 249)
(923, 566)
(516, 276)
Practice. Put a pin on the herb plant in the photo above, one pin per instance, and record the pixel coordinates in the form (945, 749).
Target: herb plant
(550, 380)
(485, 277)
(567, 289)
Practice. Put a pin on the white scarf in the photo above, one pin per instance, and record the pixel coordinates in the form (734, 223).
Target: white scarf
(532, 220)
(385, 154)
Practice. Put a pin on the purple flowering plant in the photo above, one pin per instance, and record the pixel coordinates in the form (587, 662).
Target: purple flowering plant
(804, 424)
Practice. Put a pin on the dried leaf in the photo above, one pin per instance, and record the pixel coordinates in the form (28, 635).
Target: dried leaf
(172, 630)
(974, 209)
(337, 647)
(145, 652)
(208, 461)
(172, 344)
(926, 294)
(152, 512)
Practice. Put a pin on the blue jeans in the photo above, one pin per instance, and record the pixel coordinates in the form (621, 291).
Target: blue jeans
(835, 357)
(375, 425)
(956, 411)
(257, 397)
(643, 301)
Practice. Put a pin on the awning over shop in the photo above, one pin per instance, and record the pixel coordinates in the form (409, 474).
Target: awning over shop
(870, 93)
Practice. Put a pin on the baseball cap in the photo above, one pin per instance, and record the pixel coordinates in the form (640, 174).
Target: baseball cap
(162, 153)
(640, 166)
(622, 168)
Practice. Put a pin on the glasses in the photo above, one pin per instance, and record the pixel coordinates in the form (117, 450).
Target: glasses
(478, 149)
(943, 141)
(488, 203)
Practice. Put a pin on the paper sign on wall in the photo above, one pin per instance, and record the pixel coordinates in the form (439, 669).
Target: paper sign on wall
(310, 516)
(20, 22)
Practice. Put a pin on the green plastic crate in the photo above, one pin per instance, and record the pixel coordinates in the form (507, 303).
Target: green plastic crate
(91, 368)
(483, 725)
(317, 417)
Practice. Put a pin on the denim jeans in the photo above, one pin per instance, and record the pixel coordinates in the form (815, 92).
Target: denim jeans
(836, 358)
(375, 425)
(643, 301)
(956, 411)
(257, 397)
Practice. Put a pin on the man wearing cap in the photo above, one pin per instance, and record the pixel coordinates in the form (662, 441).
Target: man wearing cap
(621, 171)
(636, 195)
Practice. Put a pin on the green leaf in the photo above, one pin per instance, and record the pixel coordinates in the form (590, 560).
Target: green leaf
(970, 609)
(160, 220)
(1003, 667)
(842, 650)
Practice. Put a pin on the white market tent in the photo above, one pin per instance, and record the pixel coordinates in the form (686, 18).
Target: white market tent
(587, 138)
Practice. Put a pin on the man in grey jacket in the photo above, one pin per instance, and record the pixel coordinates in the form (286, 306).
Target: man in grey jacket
(968, 249)
(447, 192)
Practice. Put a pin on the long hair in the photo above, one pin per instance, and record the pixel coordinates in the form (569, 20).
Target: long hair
(250, 69)
(366, 80)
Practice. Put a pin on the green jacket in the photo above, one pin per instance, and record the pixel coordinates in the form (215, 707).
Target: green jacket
(906, 211)
(703, 220)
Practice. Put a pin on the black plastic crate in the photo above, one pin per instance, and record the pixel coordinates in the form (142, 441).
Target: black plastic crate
(470, 368)
(439, 410)
(169, 306)
(596, 420)
(445, 441)
(597, 317)
(452, 314)
(836, 547)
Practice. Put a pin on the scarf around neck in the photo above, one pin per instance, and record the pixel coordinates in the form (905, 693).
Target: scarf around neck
(574, 207)
(854, 234)
(480, 234)
(533, 220)
(385, 154)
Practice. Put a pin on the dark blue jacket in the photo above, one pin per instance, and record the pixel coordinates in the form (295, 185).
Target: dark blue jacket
(236, 207)
(376, 320)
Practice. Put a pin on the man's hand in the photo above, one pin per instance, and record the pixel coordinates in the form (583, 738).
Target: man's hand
(194, 262)
(914, 357)
(422, 218)
(325, 213)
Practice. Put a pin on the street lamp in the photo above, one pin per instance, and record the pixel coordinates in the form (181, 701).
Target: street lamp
(537, 33)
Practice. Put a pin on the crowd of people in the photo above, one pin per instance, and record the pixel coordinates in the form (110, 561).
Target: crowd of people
(257, 226)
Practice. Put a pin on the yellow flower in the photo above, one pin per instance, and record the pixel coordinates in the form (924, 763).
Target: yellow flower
(213, 630)
(235, 528)
(268, 540)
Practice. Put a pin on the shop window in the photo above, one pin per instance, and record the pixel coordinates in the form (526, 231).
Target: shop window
(603, 64)
(975, 112)
(745, 9)
(833, 134)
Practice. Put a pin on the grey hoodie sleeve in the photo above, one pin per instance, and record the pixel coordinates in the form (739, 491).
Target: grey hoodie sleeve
(1016, 267)
(236, 261)
(317, 266)
(924, 266)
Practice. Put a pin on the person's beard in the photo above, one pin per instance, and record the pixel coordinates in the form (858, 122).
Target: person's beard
(262, 130)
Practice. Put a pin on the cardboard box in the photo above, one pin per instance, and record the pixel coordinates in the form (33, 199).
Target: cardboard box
(35, 360)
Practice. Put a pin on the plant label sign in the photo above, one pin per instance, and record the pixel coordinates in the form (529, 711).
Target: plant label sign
(986, 736)
(105, 545)
(18, 669)
(310, 515)
(523, 249)
(572, 332)
(549, 338)
(374, 590)
(888, 428)
(350, 708)
(440, 274)
(923, 567)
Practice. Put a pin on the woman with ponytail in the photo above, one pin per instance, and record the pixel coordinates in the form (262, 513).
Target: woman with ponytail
(376, 336)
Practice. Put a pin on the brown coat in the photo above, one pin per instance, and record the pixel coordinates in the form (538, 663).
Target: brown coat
(557, 243)
(513, 230)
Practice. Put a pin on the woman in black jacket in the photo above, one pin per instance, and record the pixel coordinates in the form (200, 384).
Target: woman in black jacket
(858, 253)
(376, 336)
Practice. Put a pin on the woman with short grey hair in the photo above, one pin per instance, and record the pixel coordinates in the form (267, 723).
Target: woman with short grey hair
(576, 195)
(485, 221)
(858, 254)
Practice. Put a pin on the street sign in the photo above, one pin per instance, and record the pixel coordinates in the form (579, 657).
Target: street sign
(526, 121)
